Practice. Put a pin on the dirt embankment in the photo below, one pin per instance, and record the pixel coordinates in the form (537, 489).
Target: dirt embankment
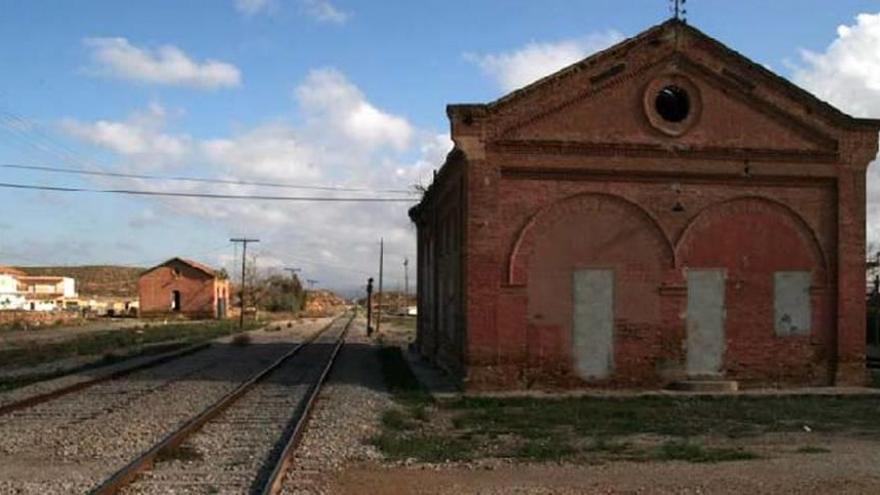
(322, 303)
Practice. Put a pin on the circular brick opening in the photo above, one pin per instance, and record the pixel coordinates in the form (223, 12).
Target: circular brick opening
(673, 104)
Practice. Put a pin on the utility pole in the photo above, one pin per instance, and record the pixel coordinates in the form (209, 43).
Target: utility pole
(379, 296)
(244, 242)
(293, 272)
(406, 278)
(369, 306)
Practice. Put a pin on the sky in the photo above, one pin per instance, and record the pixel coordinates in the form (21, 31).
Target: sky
(336, 94)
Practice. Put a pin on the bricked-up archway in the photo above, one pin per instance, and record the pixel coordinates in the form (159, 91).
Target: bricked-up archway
(524, 247)
(753, 239)
(593, 231)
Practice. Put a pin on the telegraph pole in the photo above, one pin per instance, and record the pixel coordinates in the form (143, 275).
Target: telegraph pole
(379, 295)
(244, 242)
(369, 306)
(406, 277)
(293, 272)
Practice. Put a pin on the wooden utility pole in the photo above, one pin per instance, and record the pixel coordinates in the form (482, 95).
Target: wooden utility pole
(244, 242)
(379, 295)
(369, 306)
(405, 278)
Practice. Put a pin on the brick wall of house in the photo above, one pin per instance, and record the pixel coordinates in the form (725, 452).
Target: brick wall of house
(573, 174)
(198, 291)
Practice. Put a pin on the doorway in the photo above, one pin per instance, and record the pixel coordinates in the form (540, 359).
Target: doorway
(593, 326)
(705, 322)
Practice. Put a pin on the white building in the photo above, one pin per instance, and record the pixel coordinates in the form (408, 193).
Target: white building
(34, 293)
(10, 296)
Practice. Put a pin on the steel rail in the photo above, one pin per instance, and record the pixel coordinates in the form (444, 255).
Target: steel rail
(145, 461)
(76, 387)
(275, 481)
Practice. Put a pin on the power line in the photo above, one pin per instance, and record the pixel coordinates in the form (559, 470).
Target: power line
(238, 182)
(136, 192)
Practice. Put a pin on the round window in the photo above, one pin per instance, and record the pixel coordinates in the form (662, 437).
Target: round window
(673, 104)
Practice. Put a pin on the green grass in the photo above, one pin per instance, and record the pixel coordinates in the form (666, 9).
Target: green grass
(733, 417)
(98, 343)
(590, 429)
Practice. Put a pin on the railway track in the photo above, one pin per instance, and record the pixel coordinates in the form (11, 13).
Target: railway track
(243, 442)
(72, 443)
(121, 371)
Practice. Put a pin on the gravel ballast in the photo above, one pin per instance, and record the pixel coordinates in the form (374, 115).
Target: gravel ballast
(346, 417)
(72, 443)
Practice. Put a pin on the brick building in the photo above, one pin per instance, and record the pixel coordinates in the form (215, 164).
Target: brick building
(183, 287)
(662, 210)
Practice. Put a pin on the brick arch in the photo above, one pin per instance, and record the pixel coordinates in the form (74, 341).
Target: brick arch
(754, 205)
(524, 246)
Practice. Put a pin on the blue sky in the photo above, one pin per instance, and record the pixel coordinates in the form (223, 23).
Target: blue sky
(339, 92)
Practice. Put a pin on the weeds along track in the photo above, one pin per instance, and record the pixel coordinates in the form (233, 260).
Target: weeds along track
(72, 443)
(242, 442)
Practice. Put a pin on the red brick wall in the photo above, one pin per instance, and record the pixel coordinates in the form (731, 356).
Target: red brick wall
(197, 291)
(571, 174)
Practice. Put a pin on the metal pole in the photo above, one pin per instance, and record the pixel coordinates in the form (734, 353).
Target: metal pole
(405, 277)
(379, 296)
(243, 285)
(369, 306)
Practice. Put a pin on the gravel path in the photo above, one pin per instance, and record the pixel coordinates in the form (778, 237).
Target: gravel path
(235, 452)
(72, 443)
(346, 416)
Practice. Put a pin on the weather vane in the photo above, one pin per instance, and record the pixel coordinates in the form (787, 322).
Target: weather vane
(678, 9)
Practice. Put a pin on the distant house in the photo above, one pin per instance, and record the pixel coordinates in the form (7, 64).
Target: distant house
(10, 296)
(20, 291)
(183, 287)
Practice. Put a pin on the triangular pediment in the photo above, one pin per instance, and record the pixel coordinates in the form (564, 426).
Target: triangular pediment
(609, 99)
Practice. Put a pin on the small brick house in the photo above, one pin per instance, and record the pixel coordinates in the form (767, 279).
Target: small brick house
(663, 210)
(183, 287)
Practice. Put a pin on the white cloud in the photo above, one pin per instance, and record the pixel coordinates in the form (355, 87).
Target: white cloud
(325, 11)
(271, 151)
(328, 98)
(252, 7)
(847, 75)
(515, 69)
(342, 139)
(167, 64)
(140, 137)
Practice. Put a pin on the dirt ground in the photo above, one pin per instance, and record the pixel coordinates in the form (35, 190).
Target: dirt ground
(851, 466)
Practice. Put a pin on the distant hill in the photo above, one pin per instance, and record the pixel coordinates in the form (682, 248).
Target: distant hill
(99, 280)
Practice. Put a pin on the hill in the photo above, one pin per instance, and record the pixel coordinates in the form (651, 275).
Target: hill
(97, 280)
